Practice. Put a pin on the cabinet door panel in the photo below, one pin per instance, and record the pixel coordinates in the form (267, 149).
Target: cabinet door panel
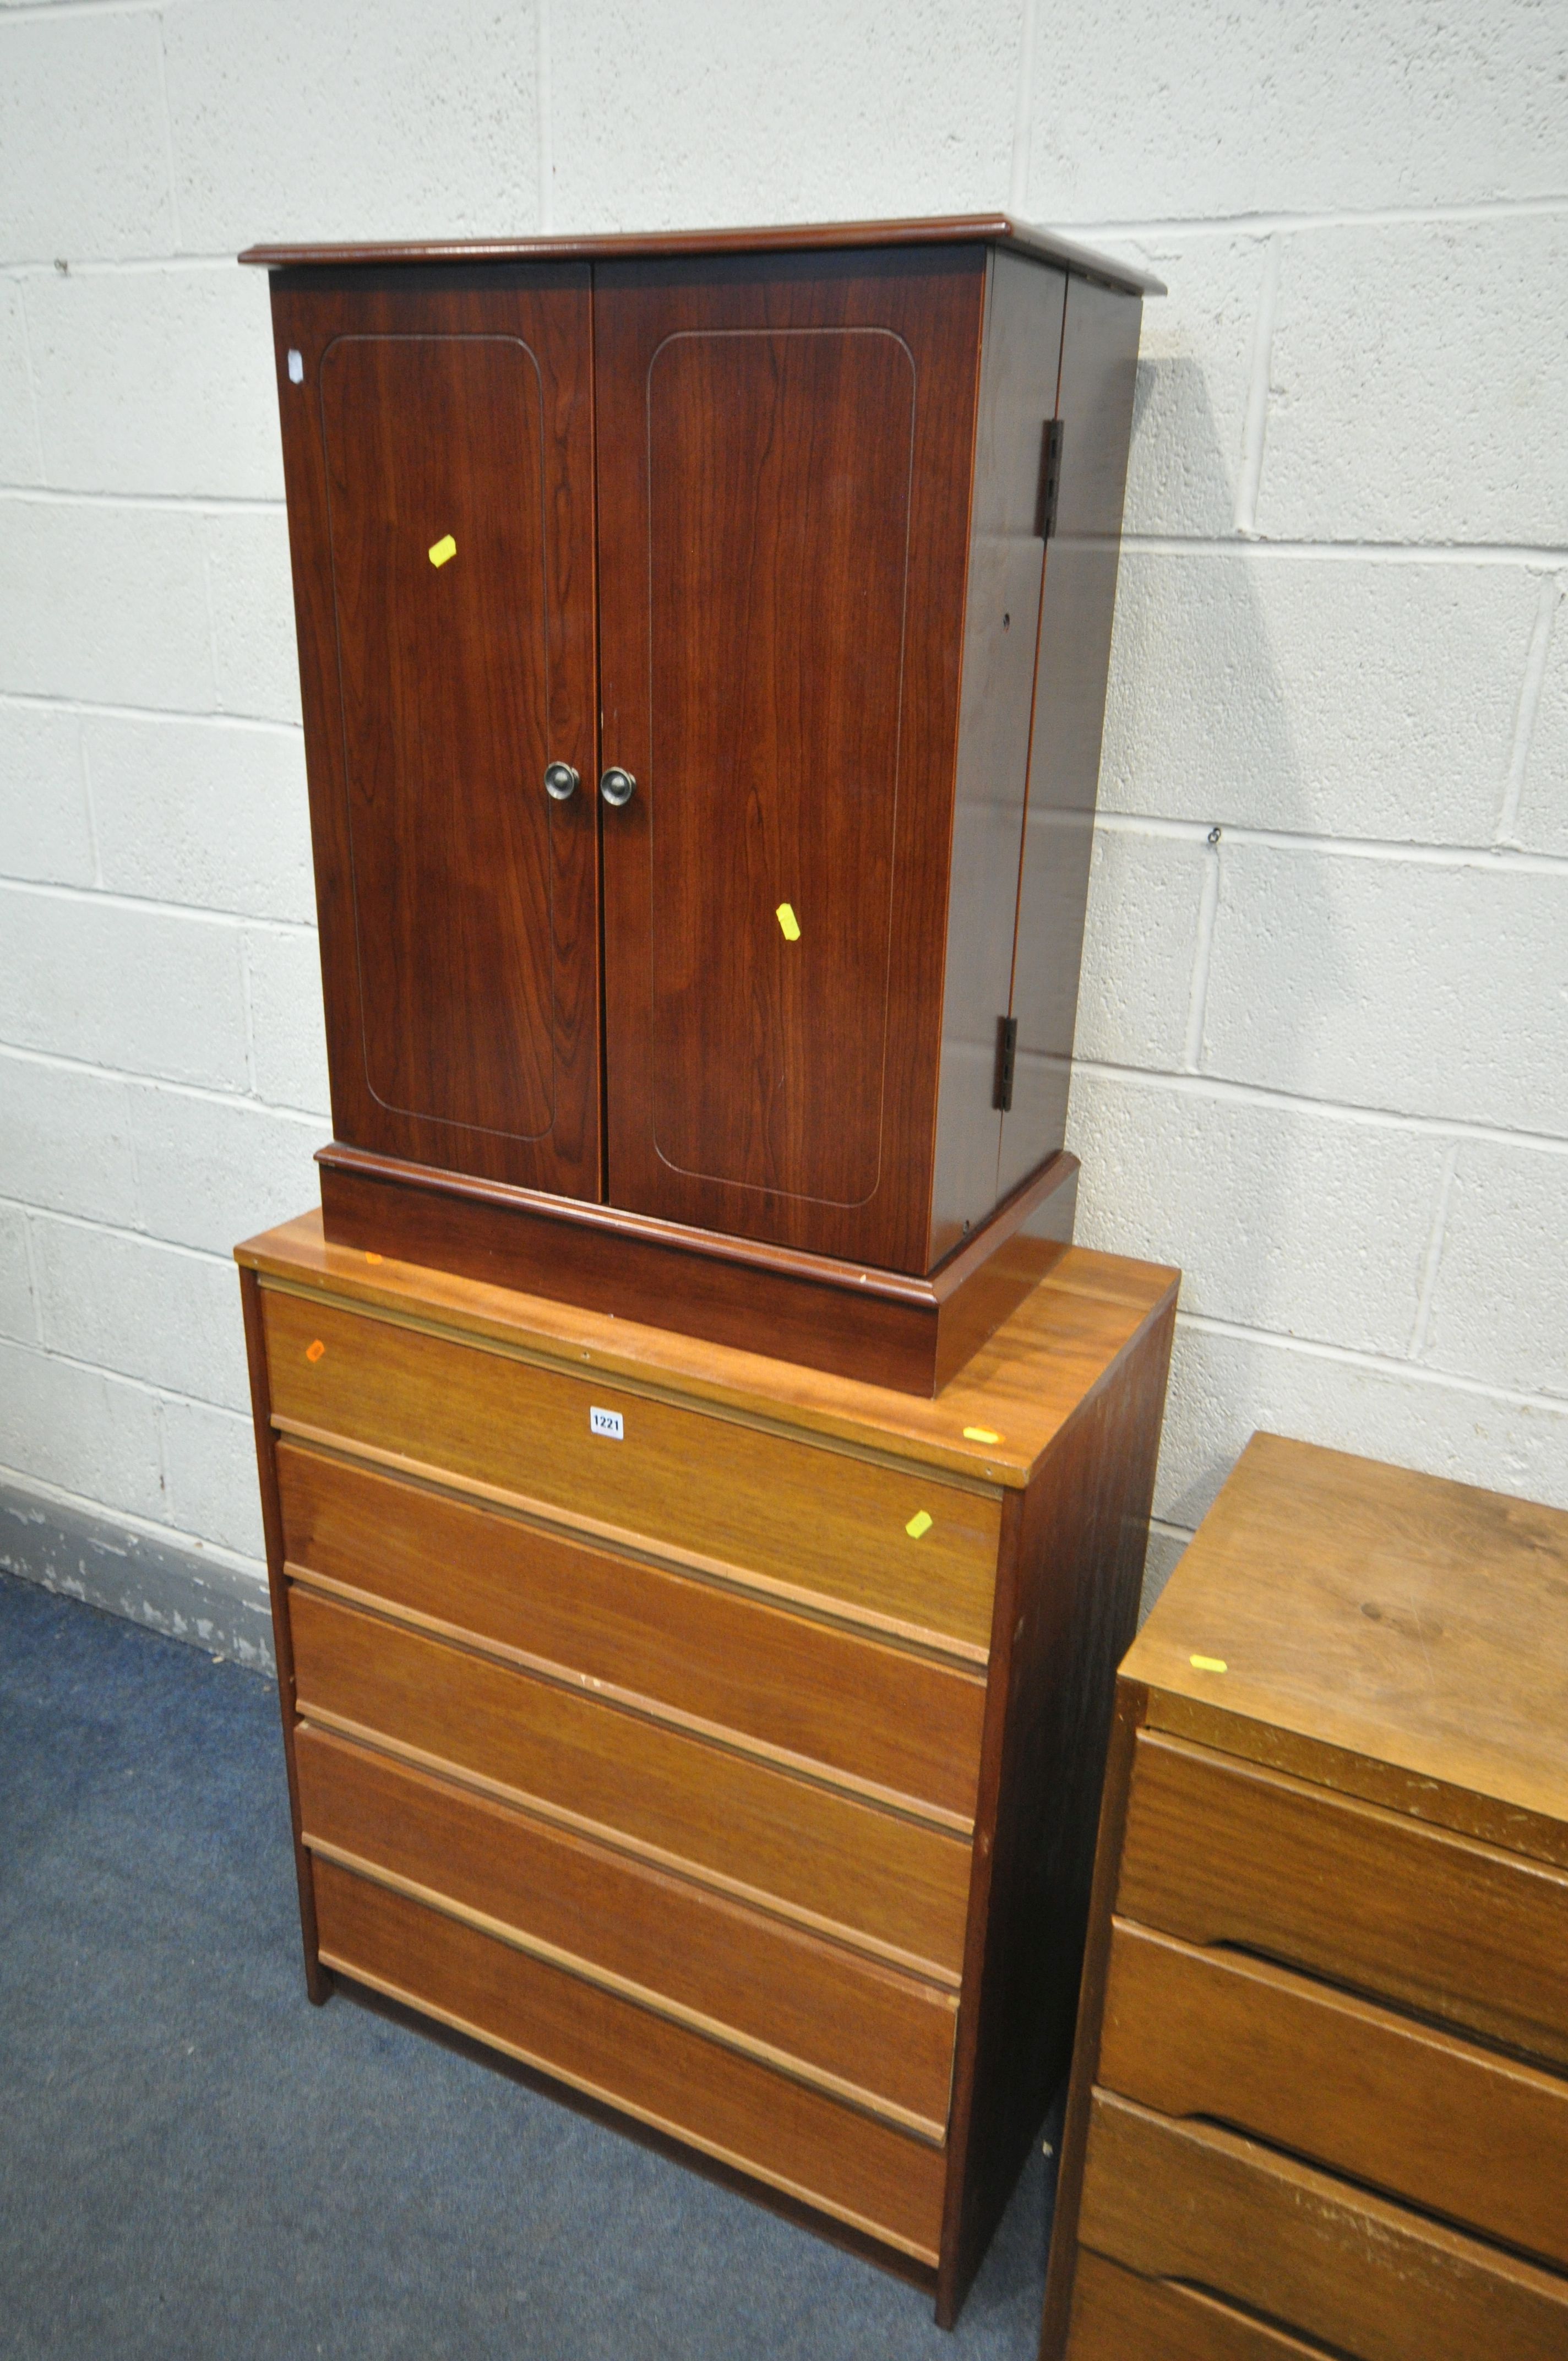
(785, 462)
(438, 442)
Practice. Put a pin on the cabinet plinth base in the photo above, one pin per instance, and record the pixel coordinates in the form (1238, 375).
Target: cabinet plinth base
(884, 1327)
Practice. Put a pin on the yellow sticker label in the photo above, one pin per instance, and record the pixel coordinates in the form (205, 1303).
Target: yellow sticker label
(981, 1434)
(315, 1349)
(919, 1524)
(371, 1257)
(440, 551)
(788, 922)
(1208, 1664)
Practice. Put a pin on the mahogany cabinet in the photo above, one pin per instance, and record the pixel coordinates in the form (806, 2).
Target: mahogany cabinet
(719, 1739)
(703, 646)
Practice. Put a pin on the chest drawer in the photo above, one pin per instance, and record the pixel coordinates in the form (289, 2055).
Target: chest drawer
(815, 1520)
(899, 1722)
(866, 2172)
(827, 1858)
(1221, 1851)
(1396, 2105)
(1365, 2278)
(882, 2040)
(1117, 2316)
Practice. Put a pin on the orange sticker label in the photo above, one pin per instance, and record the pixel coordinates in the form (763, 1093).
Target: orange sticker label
(371, 1257)
(315, 1349)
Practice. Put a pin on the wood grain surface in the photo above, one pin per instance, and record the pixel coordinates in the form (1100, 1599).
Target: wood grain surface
(1419, 1623)
(1362, 2277)
(1117, 2316)
(784, 457)
(1006, 569)
(833, 2157)
(994, 1421)
(434, 695)
(897, 1721)
(1441, 2124)
(1063, 1620)
(820, 1520)
(872, 1874)
(883, 2040)
(940, 229)
(1218, 1850)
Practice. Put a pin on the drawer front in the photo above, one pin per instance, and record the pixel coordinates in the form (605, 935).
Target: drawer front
(883, 2040)
(1188, 2202)
(1454, 2129)
(1219, 1851)
(834, 2156)
(898, 1722)
(1119, 2317)
(815, 1520)
(867, 1872)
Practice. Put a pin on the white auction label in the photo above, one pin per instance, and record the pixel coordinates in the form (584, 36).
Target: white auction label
(606, 1422)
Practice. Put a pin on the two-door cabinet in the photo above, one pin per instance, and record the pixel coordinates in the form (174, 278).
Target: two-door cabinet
(703, 646)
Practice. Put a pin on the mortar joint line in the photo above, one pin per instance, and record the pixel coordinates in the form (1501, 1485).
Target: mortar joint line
(546, 106)
(1433, 1260)
(1197, 997)
(35, 1284)
(65, 1219)
(1023, 109)
(1256, 426)
(1387, 1364)
(168, 129)
(1506, 834)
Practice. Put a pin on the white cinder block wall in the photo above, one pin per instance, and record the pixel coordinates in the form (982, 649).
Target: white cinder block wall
(1324, 1025)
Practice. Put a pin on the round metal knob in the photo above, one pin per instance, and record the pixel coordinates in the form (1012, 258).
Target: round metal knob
(617, 787)
(560, 782)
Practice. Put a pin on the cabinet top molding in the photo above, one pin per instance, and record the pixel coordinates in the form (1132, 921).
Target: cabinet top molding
(952, 229)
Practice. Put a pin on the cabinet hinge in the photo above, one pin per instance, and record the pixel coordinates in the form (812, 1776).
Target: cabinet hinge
(1050, 479)
(1006, 1050)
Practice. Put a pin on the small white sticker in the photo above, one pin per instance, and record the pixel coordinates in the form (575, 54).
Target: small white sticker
(296, 366)
(606, 1422)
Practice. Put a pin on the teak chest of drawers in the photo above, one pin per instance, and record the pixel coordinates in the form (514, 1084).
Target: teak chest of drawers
(716, 1737)
(1320, 2099)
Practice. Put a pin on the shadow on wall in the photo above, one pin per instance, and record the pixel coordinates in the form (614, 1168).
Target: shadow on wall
(1217, 1186)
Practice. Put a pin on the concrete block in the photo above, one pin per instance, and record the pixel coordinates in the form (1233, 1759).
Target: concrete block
(157, 381)
(83, 159)
(21, 457)
(212, 1171)
(153, 1578)
(213, 1491)
(211, 813)
(141, 1309)
(1542, 822)
(45, 829)
(1499, 1308)
(89, 1434)
(1189, 109)
(253, 614)
(65, 1141)
(1343, 699)
(296, 119)
(818, 112)
(1225, 1388)
(1419, 385)
(104, 603)
(1416, 987)
(1281, 1218)
(1194, 373)
(1139, 941)
(148, 990)
(19, 1318)
(287, 1030)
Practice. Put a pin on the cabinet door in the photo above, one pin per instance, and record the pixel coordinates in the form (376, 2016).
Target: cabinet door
(785, 458)
(438, 442)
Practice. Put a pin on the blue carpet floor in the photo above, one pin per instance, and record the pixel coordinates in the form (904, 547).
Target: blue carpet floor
(194, 2162)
